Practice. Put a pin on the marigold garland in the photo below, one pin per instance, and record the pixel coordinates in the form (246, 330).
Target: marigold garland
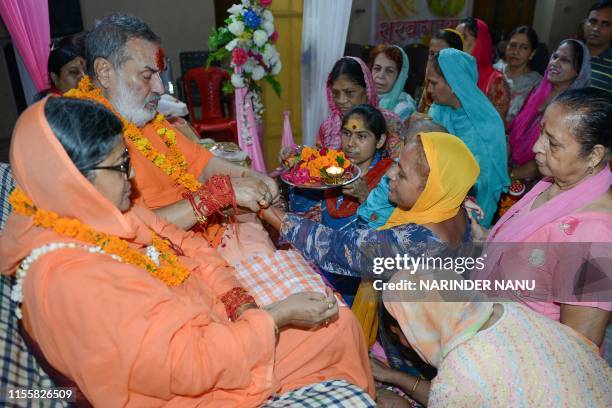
(173, 164)
(169, 271)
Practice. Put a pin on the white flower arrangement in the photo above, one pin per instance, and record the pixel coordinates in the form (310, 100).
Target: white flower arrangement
(249, 36)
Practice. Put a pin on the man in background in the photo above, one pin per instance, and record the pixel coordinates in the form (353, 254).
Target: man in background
(597, 34)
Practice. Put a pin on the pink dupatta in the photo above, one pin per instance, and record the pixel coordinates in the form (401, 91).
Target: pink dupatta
(525, 128)
(330, 132)
(507, 230)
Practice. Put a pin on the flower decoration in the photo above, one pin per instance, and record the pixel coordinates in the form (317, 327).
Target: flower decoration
(173, 163)
(251, 19)
(166, 265)
(249, 37)
(309, 165)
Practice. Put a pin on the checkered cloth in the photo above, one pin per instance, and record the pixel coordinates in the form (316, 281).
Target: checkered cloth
(337, 393)
(273, 277)
(18, 368)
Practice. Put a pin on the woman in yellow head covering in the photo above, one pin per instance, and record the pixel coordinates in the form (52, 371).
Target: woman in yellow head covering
(434, 173)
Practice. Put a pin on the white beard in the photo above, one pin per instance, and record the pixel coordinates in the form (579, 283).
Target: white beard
(129, 107)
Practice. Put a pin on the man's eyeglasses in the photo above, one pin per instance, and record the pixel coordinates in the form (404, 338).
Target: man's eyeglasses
(124, 167)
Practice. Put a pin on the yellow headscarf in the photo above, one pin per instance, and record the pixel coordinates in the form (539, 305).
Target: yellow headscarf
(453, 170)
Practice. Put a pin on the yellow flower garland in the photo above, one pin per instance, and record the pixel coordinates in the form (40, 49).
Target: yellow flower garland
(170, 270)
(173, 164)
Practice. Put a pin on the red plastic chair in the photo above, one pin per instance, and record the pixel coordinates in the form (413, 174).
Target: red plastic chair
(208, 81)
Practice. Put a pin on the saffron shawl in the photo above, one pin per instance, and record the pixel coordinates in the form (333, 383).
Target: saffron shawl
(127, 339)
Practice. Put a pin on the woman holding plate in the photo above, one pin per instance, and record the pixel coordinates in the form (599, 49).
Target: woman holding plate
(363, 137)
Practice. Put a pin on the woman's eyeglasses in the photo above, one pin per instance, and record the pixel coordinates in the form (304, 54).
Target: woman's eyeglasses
(124, 167)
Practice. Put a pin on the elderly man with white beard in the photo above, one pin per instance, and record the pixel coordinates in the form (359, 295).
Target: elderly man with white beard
(174, 176)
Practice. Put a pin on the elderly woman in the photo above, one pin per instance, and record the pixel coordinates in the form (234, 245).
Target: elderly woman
(133, 310)
(516, 68)
(465, 111)
(429, 183)
(569, 68)
(572, 204)
(350, 83)
(390, 67)
(489, 354)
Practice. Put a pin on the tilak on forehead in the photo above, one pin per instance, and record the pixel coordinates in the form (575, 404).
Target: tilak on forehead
(159, 57)
(354, 123)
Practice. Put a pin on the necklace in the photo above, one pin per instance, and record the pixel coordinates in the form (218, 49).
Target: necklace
(160, 261)
(173, 164)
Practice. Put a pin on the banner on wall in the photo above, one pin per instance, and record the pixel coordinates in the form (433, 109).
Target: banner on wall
(405, 22)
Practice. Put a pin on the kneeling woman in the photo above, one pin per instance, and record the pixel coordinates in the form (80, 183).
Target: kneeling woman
(490, 354)
(130, 308)
(430, 182)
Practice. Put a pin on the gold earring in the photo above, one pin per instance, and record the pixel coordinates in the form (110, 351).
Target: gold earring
(591, 169)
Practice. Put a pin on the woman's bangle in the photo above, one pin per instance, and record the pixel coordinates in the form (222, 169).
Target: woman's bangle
(414, 387)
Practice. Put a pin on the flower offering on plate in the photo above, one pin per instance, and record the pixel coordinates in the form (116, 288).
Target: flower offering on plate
(310, 167)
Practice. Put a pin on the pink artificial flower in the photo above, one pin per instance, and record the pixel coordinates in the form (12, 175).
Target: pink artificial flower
(239, 56)
(297, 175)
(265, 3)
(274, 37)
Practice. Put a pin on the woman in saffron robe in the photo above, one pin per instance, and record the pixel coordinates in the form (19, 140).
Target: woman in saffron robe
(136, 336)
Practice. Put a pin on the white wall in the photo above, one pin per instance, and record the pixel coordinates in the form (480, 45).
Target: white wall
(555, 20)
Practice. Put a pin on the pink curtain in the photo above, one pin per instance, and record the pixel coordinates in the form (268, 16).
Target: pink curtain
(28, 24)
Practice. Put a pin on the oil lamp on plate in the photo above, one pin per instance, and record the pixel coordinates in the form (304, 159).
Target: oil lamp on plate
(333, 175)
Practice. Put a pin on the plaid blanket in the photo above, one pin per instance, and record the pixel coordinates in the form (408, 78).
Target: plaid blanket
(273, 277)
(337, 393)
(18, 368)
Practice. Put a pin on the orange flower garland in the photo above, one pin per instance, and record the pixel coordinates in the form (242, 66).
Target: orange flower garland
(170, 271)
(173, 164)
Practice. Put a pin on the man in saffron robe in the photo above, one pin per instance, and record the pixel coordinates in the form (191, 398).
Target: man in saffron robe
(124, 62)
